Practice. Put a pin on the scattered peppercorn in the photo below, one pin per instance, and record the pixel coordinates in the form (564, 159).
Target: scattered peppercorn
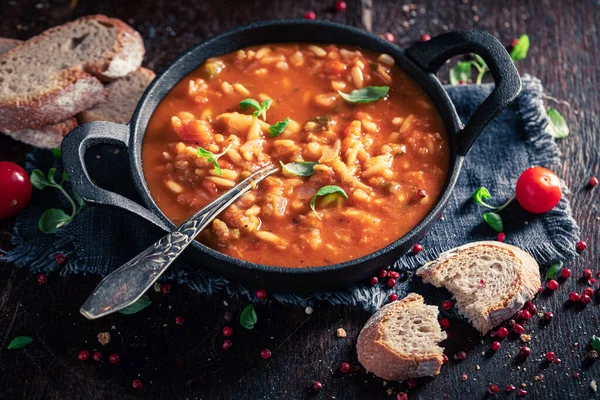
(227, 331)
(392, 297)
(461, 355)
(97, 356)
(444, 323)
(83, 355)
(574, 297)
(548, 316)
(552, 285)
(374, 281)
(447, 304)
(383, 273)
(266, 354)
(444, 358)
(464, 376)
(592, 182)
(227, 344)
(411, 383)
(522, 393)
(575, 375)
(402, 396)
(179, 320)
(137, 384)
(502, 332)
(557, 360)
(425, 37)
(581, 246)
(496, 346)
(340, 6)
(591, 281)
(60, 259)
(518, 329)
(550, 356)
(421, 193)
(310, 15)
(587, 274)
(42, 279)
(389, 36)
(524, 352)
(566, 273)
(114, 358)
(165, 288)
(585, 299)
(461, 82)
(317, 386)
(501, 237)
(510, 388)
(391, 283)
(493, 389)
(261, 294)
(394, 274)
(526, 314)
(417, 248)
(344, 367)
(514, 42)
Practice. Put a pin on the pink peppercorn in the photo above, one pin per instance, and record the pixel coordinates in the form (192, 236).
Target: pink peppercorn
(266, 354)
(392, 297)
(261, 294)
(592, 182)
(60, 259)
(310, 15)
(344, 367)
(114, 358)
(137, 384)
(42, 279)
(425, 37)
(496, 346)
(550, 356)
(417, 248)
(165, 288)
(317, 386)
(526, 314)
(402, 396)
(581, 246)
(227, 331)
(591, 281)
(557, 360)
(461, 355)
(227, 344)
(444, 358)
(575, 375)
(566, 273)
(340, 6)
(522, 393)
(444, 323)
(588, 291)
(391, 283)
(383, 273)
(394, 274)
(411, 383)
(524, 351)
(447, 304)
(374, 281)
(421, 193)
(552, 285)
(587, 274)
(493, 389)
(83, 355)
(502, 332)
(97, 356)
(585, 299)
(179, 320)
(510, 388)
(518, 329)
(389, 36)
(548, 316)
(574, 297)
(501, 236)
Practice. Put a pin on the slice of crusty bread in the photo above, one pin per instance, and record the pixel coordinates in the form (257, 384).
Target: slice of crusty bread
(6, 44)
(400, 341)
(53, 76)
(47, 137)
(123, 96)
(489, 280)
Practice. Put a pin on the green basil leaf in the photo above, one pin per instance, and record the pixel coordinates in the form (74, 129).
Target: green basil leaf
(264, 106)
(56, 153)
(244, 104)
(38, 180)
(278, 127)
(596, 343)
(248, 317)
(324, 191)
(217, 168)
(519, 52)
(205, 154)
(51, 173)
(480, 195)
(304, 168)
(494, 221)
(52, 219)
(558, 125)
(19, 342)
(138, 306)
(365, 95)
(553, 270)
(460, 72)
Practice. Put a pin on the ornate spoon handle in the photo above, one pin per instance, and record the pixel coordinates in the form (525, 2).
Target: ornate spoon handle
(129, 282)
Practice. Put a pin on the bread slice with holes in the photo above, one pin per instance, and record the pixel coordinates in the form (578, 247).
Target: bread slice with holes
(489, 280)
(123, 96)
(54, 76)
(400, 341)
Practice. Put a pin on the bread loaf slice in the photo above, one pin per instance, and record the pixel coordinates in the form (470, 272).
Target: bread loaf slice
(47, 137)
(400, 341)
(54, 76)
(489, 280)
(123, 96)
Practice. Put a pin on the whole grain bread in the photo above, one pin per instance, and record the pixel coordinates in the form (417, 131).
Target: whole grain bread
(47, 137)
(400, 341)
(123, 96)
(490, 281)
(54, 76)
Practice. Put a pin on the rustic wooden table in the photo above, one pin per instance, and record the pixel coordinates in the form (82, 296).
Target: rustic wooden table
(187, 361)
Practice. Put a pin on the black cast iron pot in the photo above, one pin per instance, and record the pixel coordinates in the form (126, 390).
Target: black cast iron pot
(420, 61)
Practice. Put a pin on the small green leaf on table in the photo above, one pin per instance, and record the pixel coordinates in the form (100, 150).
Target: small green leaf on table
(519, 51)
(138, 306)
(52, 219)
(19, 342)
(596, 343)
(557, 124)
(248, 317)
(494, 221)
(554, 270)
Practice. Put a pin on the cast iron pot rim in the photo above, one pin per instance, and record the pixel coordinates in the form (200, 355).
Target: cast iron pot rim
(452, 124)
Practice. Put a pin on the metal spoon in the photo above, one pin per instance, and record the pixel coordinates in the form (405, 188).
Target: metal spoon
(128, 283)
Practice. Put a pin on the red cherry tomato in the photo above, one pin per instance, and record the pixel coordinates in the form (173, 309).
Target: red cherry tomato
(15, 189)
(538, 190)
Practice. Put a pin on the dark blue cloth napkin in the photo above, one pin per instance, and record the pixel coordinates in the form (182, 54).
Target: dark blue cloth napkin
(100, 239)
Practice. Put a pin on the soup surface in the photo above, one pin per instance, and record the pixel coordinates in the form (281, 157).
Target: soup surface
(383, 162)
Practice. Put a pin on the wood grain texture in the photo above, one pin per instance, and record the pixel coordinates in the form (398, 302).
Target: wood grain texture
(187, 361)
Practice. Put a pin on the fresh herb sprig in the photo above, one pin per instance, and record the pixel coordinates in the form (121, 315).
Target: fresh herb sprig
(277, 128)
(368, 94)
(54, 218)
(299, 168)
(213, 158)
(138, 306)
(324, 191)
(554, 270)
(492, 218)
(261, 108)
(558, 125)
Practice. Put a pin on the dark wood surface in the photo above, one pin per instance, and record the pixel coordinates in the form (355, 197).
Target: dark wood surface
(187, 361)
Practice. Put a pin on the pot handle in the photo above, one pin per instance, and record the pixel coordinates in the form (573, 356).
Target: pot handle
(431, 55)
(74, 147)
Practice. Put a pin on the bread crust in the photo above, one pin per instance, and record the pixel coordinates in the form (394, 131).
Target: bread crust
(525, 288)
(381, 359)
(7, 44)
(78, 90)
(47, 137)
